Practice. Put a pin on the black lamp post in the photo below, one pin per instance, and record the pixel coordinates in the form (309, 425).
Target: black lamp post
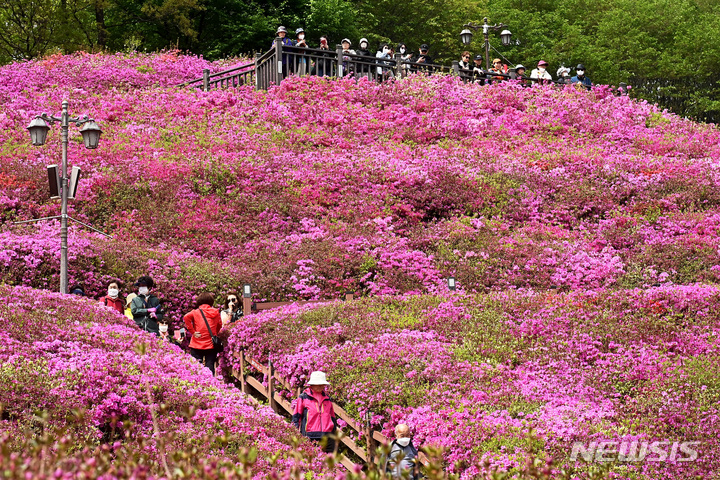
(467, 34)
(39, 128)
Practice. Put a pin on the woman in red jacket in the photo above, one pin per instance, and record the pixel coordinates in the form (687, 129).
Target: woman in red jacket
(196, 324)
(314, 413)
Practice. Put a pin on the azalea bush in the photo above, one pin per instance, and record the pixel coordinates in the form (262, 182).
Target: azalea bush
(495, 379)
(319, 186)
(77, 374)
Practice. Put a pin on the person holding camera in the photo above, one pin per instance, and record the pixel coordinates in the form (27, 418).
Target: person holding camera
(232, 309)
(385, 52)
(300, 60)
(323, 65)
(145, 307)
(202, 324)
(423, 58)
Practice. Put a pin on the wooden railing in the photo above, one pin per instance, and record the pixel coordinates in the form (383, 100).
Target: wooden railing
(281, 405)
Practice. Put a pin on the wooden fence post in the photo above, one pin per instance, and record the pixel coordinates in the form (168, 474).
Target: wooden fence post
(349, 297)
(279, 58)
(271, 387)
(455, 68)
(339, 53)
(398, 65)
(257, 74)
(206, 80)
(370, 440)
(243, 383)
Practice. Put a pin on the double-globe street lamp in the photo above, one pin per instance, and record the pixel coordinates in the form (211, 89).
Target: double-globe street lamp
(60, 183)
(466, 36)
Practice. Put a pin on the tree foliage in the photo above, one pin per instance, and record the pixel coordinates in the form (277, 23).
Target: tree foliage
(616, 39)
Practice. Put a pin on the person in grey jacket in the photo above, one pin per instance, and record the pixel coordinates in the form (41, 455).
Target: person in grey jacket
(403, 456)
(146, 309)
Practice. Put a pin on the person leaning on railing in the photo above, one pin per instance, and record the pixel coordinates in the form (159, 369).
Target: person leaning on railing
(314, 413)
(540, 74)
(464, 62)
(478, 74)
(423, 58)
(363, 67)
(384, 72)
(580, 77)
(286, 42)
(347, 64)
(405, 56)
(323, 65)
(300, 62)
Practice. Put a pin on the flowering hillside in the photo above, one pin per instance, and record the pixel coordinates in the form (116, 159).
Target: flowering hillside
(497, 379)
(317, 187)
(321, 186)
(72, 369)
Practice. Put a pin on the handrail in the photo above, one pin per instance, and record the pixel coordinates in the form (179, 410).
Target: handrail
(272, 66)
(278, 404)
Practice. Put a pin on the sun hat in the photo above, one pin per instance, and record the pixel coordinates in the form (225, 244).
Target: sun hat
(129, 299)
(542, 62)
(281, 29)
(317, 378)
(346, 40)
(299, 30)
(519, 66)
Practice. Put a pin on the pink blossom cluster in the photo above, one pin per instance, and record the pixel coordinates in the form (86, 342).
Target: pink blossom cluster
(386, 189)
(65, 354)
(496, 378)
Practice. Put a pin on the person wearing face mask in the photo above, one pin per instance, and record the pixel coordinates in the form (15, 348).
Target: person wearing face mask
(113, 299)
(314, 413)
(402, 461)
(405, 56)
(146, 308)
(362, 67)
(385, 71)
(347, 54)
(580, 77)
(299, 60)
(164, 330)
(540, 73)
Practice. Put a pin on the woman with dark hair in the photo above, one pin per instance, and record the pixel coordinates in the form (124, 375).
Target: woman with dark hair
(145, 307)
(202, 324)
(231, 309)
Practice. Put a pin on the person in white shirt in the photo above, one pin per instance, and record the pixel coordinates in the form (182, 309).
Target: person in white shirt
(540, 73)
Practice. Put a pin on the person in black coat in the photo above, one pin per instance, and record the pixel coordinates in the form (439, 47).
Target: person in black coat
(423, 58)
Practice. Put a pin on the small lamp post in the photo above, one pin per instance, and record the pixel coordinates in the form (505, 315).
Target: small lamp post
(451, 283)
(466, 36)
(247, 299)
(39, 128)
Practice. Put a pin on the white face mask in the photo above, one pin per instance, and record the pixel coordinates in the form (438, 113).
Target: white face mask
(113, 292)
(403, 442)
(402, 49)
(163, 328)
(581, 72)
(386, 50)
(143, 291)
(301, 36)
(363, 45)
(542, 69)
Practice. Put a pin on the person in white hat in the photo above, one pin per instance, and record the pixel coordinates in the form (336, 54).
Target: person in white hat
(314, 414)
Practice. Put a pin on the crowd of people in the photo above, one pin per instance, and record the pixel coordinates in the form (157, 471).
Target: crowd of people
(314, 414)
(362, 62)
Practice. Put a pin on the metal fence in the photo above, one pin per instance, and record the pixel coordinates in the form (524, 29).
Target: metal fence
(690, 97)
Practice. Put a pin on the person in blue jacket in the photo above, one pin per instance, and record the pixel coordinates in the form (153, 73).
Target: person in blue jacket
(580, 77)
(286, 42)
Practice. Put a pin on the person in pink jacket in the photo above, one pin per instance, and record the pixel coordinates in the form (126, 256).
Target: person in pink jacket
(197, 323)
(314, 413)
